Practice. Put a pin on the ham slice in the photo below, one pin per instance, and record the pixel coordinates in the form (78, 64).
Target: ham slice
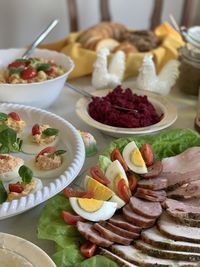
(121, 222)
(86, 230)
(153, 184)
(150, 195)
(183, 162)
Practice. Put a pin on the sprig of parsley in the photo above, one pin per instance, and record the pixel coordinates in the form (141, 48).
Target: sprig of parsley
(9, 141)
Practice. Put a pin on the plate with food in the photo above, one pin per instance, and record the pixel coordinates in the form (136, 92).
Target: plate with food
(40, 153)
(125, 112)
(139, 206)
(16, 251)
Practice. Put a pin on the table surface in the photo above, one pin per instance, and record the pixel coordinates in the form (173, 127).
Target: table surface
(25, 224)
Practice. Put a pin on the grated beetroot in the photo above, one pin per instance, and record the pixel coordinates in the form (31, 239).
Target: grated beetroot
(102, 109)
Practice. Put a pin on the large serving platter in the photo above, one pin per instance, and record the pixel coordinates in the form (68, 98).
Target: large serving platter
(69, 140)
(162, 104)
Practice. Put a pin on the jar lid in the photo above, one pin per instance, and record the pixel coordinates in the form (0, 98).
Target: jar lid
(192, 35)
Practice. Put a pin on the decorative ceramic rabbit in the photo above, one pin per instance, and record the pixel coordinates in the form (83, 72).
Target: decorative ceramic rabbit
(161, 83)
(108, 76)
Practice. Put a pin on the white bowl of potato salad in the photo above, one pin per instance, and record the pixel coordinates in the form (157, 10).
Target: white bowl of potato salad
(35, 81)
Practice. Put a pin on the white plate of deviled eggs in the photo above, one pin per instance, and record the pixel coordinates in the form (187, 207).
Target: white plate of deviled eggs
(40, 154)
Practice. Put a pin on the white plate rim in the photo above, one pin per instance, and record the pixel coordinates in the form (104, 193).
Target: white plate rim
(26, 249)
(14, 207)
(170, 114)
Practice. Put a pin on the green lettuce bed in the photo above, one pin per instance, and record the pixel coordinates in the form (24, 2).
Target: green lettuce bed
(67, 239)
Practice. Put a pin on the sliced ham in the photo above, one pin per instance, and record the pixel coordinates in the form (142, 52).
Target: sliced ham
(178, 216)
(186, 191)
(183, 162)
(109, 235)
(117, 230)
(183, 210)
(151, 195)
(153, 184)
(121, 222)
(177, 231)
(137, 219)
(154, 170)
(155, 238)
(145, 208)
(86, 230)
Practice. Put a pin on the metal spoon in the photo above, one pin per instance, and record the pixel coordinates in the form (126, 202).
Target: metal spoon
(40, 38)
(88, 95)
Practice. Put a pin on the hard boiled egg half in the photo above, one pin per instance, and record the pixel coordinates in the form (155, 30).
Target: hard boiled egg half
(102, 192)
(115, 172)
(93, 209)
(133, 158)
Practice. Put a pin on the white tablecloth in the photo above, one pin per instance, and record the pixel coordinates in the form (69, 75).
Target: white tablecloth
(25, 224)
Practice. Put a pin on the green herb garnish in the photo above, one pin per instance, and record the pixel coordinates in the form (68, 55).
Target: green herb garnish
(4, 149)
(8, 138)
(57, 153)
(50, 132)
(3, 116)
(26, 174)
(3, 193)
(3, 127)
(43, 66)
(23, 60)
(15, 71)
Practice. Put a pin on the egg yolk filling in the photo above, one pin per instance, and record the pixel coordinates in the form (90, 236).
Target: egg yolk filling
(136, 158)
(90, 204)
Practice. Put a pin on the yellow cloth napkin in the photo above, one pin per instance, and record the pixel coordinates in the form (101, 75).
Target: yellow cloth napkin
(84, 59)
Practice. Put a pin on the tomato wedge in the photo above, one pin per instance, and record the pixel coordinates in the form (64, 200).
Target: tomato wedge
(14, 116)
(49, 149)
(28, 73)
(116, 155)
(70, 218)
(147, 154)
(16, 64)
(15, 187)
(122, 190)
(68, 192)
(88, 249)
(98, 175)
(36, 129)
(132, 180)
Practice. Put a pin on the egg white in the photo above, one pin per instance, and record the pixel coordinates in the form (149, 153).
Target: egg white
(127, 157)
(114, 197)
(10, 175)
(49, 173)
(115, 169)
(32, 148)
(105, 212)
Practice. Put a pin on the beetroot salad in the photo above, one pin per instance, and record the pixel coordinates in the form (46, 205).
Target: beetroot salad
(102, 109)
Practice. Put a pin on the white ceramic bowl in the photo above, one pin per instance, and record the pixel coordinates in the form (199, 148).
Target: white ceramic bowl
(18, 252)
(40, 94)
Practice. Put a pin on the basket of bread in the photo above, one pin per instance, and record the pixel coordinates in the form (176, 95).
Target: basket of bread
(83, 46)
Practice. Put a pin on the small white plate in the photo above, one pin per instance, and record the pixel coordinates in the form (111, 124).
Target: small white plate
(161, 104)
(21, 252)
(70, 140)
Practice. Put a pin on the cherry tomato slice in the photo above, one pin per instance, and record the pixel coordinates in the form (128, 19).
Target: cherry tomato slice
(70, 218)
(36, 129)
(116, 155)
(147, 154)
(16, 64)
(68, 192)
(50, 71)
(17, 187)
(132, 180)
(123, 191)
(88, 249)
(28, 73)
(49, 150)
(14, 116)
(98, 175)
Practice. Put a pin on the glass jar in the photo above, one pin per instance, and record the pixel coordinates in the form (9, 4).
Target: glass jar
(189, 77)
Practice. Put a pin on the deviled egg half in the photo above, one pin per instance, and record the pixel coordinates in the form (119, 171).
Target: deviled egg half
(9, 167)
(93, 209)
(12, 120)
(134, 159)
(40, 136)
(49, 163)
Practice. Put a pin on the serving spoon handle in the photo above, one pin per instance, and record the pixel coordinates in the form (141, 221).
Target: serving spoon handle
(40, 38)
(88, 95)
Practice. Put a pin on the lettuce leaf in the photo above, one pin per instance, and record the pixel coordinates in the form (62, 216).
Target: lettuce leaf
(66, 237)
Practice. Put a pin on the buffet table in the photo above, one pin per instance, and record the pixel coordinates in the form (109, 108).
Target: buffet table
(25, 224)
